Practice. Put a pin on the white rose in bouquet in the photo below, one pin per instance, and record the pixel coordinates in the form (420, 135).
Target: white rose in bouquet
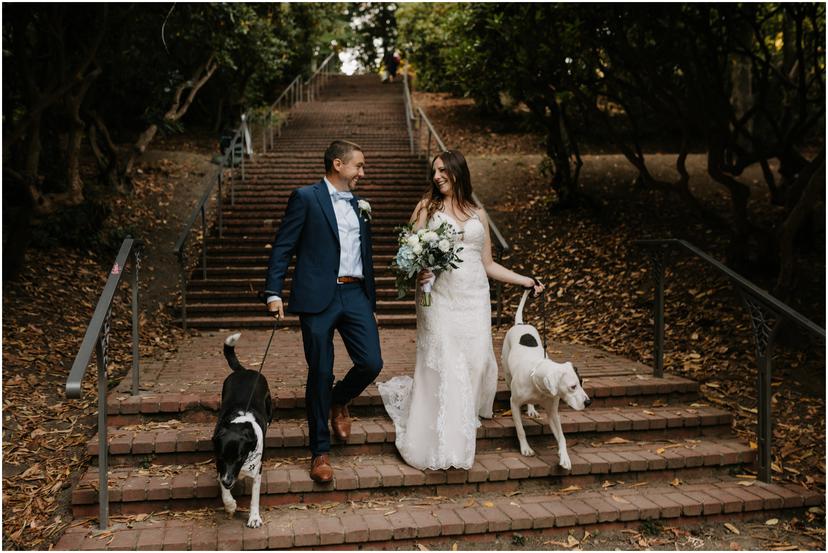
(433, 249)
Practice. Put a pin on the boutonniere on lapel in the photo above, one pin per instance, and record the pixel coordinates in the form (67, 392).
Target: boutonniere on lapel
(364, 210)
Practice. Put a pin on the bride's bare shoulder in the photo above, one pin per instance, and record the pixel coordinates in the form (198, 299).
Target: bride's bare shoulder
(420, 212)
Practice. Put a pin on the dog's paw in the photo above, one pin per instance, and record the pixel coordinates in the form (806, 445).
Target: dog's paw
(230, 508)
(565, 462)
(527, 451)
(531, 412)
(254, 521)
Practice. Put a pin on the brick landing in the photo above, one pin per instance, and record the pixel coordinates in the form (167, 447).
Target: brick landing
(198, 367)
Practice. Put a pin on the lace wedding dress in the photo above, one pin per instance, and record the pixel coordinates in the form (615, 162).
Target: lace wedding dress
(455, 376)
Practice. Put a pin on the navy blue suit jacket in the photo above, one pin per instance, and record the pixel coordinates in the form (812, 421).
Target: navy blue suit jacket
(309, 230)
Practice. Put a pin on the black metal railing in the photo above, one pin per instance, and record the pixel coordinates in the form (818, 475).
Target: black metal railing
(97, 339)
(240, 147)
(214, 179)
(766, 313)
(422, 121)
(409, 111)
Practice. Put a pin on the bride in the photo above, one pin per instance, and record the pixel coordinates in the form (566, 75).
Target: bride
(455, 376)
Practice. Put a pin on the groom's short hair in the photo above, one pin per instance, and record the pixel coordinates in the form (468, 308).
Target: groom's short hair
(339, 149)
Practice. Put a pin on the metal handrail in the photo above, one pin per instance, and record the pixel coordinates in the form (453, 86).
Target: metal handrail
(409, 114)
(294, 94)
(501, 246)
(97, 339)
(767, 314)
(315, 82)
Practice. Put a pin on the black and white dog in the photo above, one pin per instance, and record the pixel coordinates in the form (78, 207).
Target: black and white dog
(239, 438)
(534, 378)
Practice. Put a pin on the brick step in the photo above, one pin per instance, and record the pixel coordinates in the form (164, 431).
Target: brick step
(175, 442)
(243, 308)
(384, 164)
(243, 296)
(400, 523)
(204, 322)
(391, 212)
(377, 193)
(261, 257)
(381, 235)
(272, 220)
(231, 247)
(257, 281)
(284, 481)
(289, 400)
(315, 158)
(277, 177)
(401, 147)
(380, 271)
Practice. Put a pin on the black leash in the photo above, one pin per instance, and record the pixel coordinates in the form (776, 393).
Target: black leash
(260, 295)
(543, 317)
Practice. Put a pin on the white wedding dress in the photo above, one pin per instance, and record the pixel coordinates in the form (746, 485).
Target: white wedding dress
(455, 376)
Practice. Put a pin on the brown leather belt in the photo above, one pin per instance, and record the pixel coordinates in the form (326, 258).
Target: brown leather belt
(347, 280)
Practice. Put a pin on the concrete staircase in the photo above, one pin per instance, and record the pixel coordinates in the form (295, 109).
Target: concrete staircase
(360, 109)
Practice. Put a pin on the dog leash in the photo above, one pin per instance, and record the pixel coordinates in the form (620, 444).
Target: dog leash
(267, 349)
(543, 317)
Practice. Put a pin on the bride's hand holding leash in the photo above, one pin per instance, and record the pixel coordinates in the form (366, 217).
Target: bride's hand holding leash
(534, 284)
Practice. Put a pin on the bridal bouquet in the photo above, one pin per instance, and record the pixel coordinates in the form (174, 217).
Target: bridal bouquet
(434, 249)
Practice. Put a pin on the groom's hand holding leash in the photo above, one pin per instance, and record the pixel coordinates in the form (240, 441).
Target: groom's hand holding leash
(276, 309)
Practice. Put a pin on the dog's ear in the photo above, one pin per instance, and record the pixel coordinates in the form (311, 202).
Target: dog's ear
(218, 435)
(551, 381)
(580, 378)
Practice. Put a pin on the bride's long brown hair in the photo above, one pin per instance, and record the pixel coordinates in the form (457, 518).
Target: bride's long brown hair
(461, 187)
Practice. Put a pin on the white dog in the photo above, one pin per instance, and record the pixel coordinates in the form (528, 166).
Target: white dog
(533, 378)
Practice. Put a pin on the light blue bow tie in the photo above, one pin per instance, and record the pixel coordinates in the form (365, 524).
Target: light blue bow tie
(347, 196)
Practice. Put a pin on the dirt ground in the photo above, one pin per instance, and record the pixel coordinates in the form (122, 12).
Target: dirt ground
(45, 314)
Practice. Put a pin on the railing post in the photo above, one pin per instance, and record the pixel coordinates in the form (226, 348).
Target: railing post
(765, 324)
(428, 156)
(136, 353)
(232, 160)
(658, 314)
(657, 258)
(499, 287)
(182, 263)
(204, 241)
(243, 155)
(220, 206)
(232, 188)
(103, 447)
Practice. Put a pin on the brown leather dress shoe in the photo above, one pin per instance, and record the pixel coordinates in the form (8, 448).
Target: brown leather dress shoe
(321, 469)
(341, 421)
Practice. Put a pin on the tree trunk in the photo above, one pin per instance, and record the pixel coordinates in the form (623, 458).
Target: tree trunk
(109, 159)
(739, 195)
(176, 111)
(814, 178)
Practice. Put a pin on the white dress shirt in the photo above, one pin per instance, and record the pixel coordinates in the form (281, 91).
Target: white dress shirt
(350, 243)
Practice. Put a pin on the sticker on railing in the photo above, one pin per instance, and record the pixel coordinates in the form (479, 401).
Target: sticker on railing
(116, 270)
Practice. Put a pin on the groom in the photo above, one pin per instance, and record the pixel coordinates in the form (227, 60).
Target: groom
(333, 288)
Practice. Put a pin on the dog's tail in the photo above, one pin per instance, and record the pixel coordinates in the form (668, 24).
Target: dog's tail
(230, 351)
(519, 315)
